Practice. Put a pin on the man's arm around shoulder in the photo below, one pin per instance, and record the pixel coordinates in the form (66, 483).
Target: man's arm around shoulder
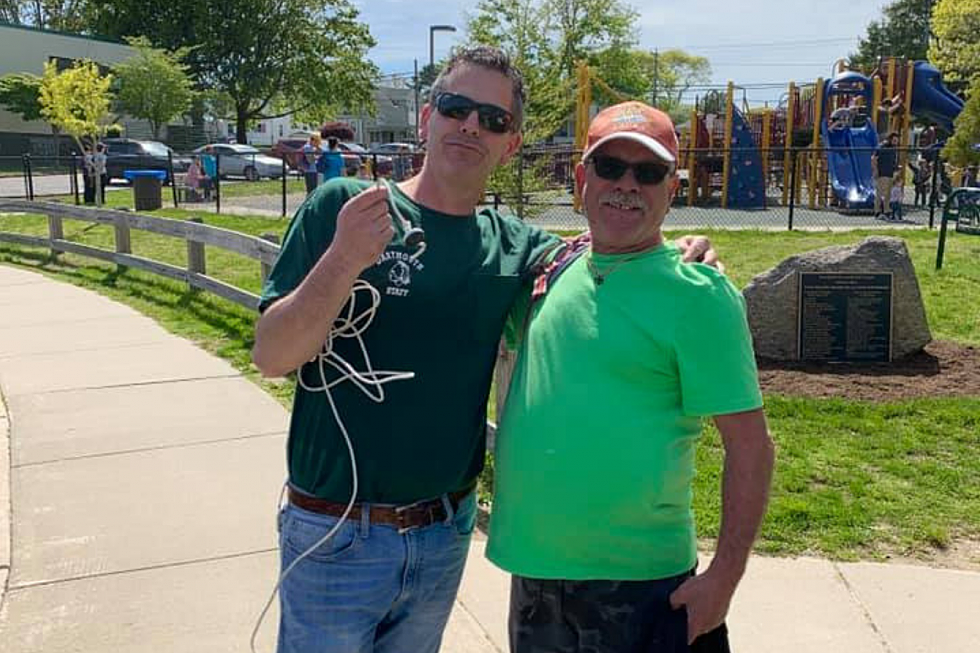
(749, 457)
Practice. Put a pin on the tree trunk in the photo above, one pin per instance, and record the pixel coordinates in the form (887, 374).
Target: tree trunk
(241, 126)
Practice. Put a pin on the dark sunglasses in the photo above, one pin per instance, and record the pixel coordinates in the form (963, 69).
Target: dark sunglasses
(648, 173)
(459, 107)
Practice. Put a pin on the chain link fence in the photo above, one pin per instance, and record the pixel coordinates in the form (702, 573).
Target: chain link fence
(777, 188)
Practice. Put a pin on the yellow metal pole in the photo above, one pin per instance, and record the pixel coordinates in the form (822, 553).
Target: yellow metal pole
(891, 90)
(692, 165)
(788, 144)
(729, 118)
(876, 100)
(815, 143)
(907, 119)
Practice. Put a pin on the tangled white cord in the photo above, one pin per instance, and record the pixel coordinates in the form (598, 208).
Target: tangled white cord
(349, 324)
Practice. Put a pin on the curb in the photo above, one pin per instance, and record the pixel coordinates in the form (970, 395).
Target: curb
(5, 525)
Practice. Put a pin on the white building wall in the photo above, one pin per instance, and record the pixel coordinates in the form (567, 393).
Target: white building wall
(25, 50)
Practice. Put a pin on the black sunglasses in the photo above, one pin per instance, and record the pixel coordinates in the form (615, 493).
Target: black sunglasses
(648, 173)
(459, 107)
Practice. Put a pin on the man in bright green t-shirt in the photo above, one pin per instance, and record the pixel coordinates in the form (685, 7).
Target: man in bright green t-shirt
(625, 350)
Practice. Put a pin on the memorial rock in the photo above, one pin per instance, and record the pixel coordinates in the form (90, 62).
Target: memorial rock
(772, 298)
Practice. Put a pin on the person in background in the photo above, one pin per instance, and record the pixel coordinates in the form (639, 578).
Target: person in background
(896, 199)
(209, 165)
(307, 162)
(330, 164)
(99, 170)
(195, 174)
(884, 165)
(921, 175)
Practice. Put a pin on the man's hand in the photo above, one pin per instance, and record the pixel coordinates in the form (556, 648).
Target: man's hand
(364, 228)
(697, 249)
(706, 598)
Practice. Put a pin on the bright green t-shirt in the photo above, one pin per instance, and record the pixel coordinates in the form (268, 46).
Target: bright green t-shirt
(440, 316)
(595, 453)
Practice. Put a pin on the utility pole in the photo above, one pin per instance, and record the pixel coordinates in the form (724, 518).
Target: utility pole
(416, 102)
(656, 76)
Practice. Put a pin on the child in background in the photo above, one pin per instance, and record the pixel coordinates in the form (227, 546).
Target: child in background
(895, 203)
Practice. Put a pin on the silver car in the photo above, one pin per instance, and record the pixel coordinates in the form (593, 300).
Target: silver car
(244, 161)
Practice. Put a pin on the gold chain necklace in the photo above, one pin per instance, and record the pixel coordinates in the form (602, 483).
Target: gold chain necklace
(599, 276)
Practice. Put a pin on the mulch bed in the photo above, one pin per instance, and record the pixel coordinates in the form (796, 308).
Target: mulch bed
(942, 369)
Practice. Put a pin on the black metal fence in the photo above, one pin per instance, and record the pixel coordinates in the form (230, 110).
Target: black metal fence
(775, 188)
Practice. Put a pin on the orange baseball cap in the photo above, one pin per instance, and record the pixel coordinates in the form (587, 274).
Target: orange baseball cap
(637, 122)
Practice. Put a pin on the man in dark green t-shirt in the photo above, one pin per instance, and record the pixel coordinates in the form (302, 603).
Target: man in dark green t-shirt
(623, 355)
(388, 427)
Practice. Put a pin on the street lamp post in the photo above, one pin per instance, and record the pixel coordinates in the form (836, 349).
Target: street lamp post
(432, 30)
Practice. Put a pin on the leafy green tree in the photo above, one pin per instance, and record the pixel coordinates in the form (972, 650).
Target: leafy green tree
(902, 31)
(20, 93)
(547, 39)
(676, 72)
(77, 101)
(153, 84)
(961, 149)
(270, 57)
(65, 15)
(956, 48)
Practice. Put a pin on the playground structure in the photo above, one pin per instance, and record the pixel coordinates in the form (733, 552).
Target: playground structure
(744, 158)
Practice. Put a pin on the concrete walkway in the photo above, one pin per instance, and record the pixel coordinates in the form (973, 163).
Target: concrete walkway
(137, 510)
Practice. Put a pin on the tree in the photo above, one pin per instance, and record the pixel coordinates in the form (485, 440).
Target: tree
(65, 15)
(676, 72)
(961, 148)
(547, 38)
(77, 101)
(153, 84)
(427, 77)
(20, 93)
(903, 31)
(271, 57)
(956, 48)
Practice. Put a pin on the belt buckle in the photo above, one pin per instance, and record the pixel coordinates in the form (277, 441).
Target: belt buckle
(400, 510)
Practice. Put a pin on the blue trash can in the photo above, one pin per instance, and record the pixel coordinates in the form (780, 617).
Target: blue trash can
(147, 188)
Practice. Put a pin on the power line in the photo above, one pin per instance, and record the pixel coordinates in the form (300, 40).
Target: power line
(770, 44)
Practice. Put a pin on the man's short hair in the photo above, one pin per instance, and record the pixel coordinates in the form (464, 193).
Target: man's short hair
(490, 58)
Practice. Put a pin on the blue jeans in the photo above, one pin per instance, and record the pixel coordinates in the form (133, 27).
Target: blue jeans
(370, 589)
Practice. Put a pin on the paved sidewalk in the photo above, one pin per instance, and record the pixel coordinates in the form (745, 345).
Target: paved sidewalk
(143, 476)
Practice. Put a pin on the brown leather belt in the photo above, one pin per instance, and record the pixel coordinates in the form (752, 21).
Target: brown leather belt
(407, 517)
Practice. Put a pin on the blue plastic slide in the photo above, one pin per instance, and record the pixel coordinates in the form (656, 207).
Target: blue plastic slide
(746, 187)
(931, 100)
(849, 149)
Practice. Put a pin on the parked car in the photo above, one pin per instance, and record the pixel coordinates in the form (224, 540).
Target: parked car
(395, 148)
(351, 150)
(290, 149)
(244, 161)
(406, 158)
(129, 154)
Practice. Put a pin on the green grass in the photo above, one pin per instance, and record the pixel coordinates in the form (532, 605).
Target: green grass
(853, 480)
(122, 197)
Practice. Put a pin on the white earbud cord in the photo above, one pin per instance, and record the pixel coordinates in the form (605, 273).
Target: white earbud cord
(350, 326)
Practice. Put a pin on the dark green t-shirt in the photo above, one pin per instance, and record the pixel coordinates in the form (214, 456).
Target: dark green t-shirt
(440, 316)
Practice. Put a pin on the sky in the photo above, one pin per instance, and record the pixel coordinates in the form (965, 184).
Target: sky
(750, 43)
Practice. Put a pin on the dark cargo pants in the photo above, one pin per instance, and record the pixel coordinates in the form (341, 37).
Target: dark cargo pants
(597, 616)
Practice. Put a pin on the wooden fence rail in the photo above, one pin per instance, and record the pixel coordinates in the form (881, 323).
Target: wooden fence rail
(197, 235)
